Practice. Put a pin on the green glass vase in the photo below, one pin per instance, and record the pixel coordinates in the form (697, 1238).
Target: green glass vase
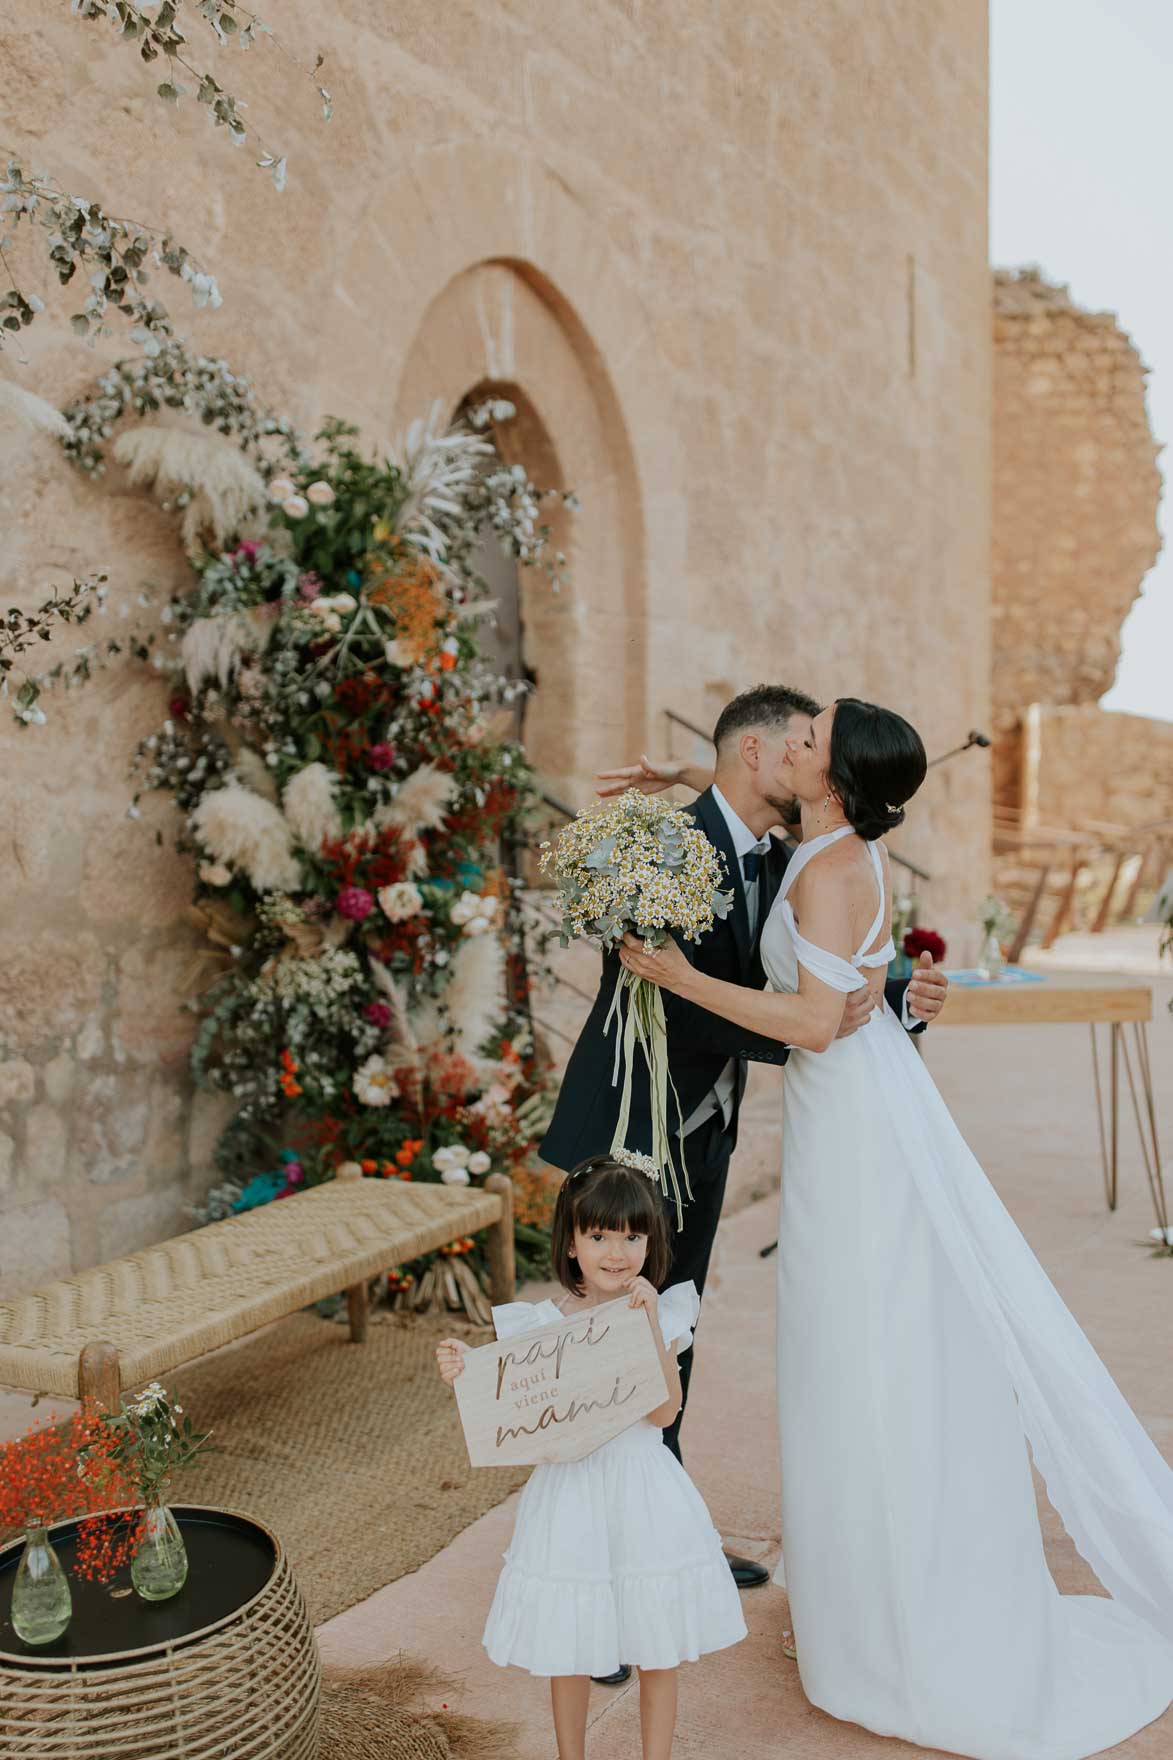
(41, 1602)
(158, 1569)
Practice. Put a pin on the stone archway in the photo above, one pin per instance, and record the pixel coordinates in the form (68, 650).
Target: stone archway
(498, 327)
(502, 324)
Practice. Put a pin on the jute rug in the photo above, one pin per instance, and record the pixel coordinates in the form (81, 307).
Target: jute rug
(375, 1713)
(353, 1454)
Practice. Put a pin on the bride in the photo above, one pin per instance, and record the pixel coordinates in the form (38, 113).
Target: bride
(921, 1347)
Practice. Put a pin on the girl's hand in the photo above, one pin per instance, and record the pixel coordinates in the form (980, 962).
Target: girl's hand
(665, 965)
(450, 1359)
(648, 777)
(642, 1294)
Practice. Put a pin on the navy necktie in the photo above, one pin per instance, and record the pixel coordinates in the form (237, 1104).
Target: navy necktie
(751, 863)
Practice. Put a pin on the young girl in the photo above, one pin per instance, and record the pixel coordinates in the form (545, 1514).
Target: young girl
(614, 1558)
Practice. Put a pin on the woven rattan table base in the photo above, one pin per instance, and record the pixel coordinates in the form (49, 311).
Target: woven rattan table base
(246, 1689)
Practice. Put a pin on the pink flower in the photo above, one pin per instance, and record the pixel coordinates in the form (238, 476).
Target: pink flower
(309, 585)
(379, 1014)
(249, 550)
(355, 903)
(294, 1173)
(381, 756)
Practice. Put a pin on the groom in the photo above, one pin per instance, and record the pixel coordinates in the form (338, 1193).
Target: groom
(708, 1056)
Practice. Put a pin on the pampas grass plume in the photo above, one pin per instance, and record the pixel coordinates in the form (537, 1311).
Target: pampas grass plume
(30, 411)
(310, 807)
(224, 486)
(239, 828)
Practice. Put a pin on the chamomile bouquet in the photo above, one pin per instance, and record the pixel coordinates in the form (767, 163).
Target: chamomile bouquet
(639, 865)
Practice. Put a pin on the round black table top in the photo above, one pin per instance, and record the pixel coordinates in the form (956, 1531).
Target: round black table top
(230, 1559)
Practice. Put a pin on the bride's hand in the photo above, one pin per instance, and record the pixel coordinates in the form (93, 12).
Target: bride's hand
(648, 777)
(665, 965)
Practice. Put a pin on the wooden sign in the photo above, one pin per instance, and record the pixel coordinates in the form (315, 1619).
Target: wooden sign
(557, 1393)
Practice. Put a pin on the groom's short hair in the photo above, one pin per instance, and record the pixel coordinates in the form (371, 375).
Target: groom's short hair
(767, 706)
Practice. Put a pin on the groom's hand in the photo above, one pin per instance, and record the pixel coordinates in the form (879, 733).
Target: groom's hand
(857, 1008)
(927, 989)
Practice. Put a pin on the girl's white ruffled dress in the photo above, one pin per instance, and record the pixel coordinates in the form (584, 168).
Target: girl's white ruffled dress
(614, 1558)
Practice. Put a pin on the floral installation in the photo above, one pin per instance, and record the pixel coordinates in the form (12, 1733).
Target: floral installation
(641, 865)
(339, 755)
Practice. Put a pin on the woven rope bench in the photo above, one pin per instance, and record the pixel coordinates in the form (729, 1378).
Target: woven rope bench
(89, 1336)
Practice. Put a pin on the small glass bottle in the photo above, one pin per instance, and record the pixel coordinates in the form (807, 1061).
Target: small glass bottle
(41, 1602)
(158, 1569)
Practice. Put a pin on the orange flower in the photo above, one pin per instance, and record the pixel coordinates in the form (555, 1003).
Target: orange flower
(447, 662)
(369, 1166)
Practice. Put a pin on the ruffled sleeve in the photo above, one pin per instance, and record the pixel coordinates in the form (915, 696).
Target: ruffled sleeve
(516, 1317)
(679, 1309)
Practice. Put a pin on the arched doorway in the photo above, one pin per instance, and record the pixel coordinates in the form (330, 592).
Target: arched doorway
(515, 641)
(498, 329)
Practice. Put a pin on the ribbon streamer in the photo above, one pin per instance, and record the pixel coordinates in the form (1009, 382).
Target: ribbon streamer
(637, 1013)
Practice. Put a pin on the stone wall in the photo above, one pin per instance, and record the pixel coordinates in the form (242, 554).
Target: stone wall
(1094, 766)
(1075, 494)
(733, 257)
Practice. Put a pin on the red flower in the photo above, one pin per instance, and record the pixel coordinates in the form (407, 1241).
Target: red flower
(355, 903)
(380, 757)
(178, 708)
(918, 941)
(379, 1014)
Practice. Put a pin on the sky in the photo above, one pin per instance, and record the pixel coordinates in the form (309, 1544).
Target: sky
(1081, 161)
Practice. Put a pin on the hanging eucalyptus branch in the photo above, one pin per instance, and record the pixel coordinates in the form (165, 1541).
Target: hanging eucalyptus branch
(154, 25)
(80, 235)
(21, 630)
(170, 377)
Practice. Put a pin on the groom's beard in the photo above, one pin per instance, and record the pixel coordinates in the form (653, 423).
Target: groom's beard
(788, 809)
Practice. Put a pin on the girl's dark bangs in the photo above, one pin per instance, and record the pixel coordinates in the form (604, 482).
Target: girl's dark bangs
(629, 1207)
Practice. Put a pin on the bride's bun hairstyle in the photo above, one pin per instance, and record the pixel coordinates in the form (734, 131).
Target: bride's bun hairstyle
(877, 763)
(607, 1192)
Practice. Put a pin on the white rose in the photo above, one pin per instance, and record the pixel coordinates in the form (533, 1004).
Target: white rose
(396, 654)
(455, 1176)
(344, 602)
(320, 494)
(467, 906)
(296, 506)
(479, 1162)
(281, 488)
(215, 874)
(401, 901)
(374, 1084)
(447, 1160)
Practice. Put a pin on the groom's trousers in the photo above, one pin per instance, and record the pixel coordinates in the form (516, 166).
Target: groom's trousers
(707, 1151)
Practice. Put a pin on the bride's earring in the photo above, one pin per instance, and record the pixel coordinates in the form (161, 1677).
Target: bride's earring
(826, 803)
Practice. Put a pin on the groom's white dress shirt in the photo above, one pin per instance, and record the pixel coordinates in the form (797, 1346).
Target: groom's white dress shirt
(721, 1095)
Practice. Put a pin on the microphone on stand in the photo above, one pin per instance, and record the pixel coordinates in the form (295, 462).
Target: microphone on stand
(975, 739)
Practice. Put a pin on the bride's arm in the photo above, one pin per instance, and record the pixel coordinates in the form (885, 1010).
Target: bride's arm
(810, 1019)
(653, 778)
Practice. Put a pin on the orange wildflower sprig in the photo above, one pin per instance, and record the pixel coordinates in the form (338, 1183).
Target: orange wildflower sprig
(290, 1086)
(60, 1471)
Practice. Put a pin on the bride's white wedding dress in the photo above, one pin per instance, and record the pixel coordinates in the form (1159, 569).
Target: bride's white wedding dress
(920, 1347)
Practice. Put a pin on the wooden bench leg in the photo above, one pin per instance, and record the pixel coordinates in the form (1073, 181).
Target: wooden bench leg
(99, 1376)
(502, 1269)
(357, 1308)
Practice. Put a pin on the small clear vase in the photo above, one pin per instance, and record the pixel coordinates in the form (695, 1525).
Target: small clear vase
(991, 960)
(158, 1569)
(41, 1602)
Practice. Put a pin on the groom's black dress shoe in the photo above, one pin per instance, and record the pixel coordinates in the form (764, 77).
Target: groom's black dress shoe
(622, 1673)
(747, 1574)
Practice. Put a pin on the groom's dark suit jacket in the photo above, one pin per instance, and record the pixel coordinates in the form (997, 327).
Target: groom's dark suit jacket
(699, 1043)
